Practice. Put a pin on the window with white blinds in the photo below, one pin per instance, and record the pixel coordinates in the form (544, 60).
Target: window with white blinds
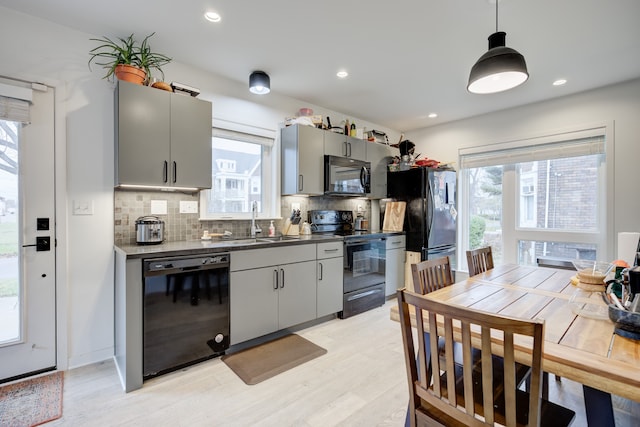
(14, 103)
(571, 144)
(536, 197)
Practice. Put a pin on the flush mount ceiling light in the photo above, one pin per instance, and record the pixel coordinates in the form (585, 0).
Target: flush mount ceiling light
(560, 82)
(212, 16)
(259, 83)
(500, 69)
(342, 74)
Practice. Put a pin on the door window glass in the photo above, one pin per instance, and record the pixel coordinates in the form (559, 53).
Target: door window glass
(9, 237)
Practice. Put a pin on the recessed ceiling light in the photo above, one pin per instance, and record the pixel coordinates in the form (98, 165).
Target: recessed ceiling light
(212, 17)
(559, 82)
(342, 74)
(432, 115)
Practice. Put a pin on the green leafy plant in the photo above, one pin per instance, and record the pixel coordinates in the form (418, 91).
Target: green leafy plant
(148, 59)
(125, 51)
(477, 227)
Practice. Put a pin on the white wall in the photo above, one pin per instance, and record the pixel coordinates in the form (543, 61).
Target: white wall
(37, 50)
(617, 104)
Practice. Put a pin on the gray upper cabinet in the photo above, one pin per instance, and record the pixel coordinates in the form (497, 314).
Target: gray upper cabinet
(379, 155)
(337, 144)
(302, 160)
(162, 139)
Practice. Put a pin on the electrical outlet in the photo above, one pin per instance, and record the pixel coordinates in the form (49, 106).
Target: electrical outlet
(188, 206)
(158, 207)
(295, 206)
(359, 208)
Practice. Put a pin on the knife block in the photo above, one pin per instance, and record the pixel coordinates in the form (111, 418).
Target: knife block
(290, 229)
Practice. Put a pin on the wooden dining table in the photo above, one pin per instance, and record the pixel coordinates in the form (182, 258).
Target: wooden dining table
(577, 347)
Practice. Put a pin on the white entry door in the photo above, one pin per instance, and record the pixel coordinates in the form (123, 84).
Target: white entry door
(27, 237)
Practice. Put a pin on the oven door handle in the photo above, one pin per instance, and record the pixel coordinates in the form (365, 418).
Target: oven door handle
(352, 242)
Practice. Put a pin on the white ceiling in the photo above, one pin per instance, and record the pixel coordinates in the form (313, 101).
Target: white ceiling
(406, 58)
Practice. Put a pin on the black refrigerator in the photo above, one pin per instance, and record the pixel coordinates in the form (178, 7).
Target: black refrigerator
(430, 216)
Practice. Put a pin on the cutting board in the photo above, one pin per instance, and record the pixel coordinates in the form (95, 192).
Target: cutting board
(394, 216)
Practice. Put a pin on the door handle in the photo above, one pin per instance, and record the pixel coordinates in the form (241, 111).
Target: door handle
(276, 281)
(175, 172)
(43, 243)
(300, 183)
(282, 284)
(165, 171)
(320, 264)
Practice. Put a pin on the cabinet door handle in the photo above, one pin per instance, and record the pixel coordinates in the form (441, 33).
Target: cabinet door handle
(349, 145)
(276, 281)
(396, 243)
(300, 182)
(282, 284)
(175, 172)
(331, 250)
(346, 150)
(321, 269)
(165, 171)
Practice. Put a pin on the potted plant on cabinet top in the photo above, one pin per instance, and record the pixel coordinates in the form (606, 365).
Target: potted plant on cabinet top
(127, 60)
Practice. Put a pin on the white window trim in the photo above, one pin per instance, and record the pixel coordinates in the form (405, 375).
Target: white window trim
(604, 240)
(271, 170)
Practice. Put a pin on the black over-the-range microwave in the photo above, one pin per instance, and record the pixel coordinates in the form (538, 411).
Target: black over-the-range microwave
(346, 177)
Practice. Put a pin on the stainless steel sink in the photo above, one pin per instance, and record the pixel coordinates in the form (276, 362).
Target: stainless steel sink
(240, 242)
(278, 239)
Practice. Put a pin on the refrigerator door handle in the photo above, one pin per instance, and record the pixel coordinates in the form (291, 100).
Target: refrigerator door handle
(446, 193)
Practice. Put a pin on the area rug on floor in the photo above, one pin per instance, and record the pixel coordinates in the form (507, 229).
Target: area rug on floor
(31, 402)
(267, 360)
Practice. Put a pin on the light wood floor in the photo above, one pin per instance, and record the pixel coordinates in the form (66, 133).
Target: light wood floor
(359, 382)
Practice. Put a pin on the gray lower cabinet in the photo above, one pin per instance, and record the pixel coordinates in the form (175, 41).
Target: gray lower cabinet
(271, 289)
(162, 139)
(395, 259)
(330, 275)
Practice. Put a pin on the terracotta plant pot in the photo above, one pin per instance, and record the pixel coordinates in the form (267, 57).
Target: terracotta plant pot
(131, 74)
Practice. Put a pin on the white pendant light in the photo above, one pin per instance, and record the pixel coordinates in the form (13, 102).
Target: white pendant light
(259, 83)
(500, 69)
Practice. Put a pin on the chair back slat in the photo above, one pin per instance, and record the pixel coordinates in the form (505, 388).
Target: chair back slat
(479, 260)
(470, 329)
(431, 275)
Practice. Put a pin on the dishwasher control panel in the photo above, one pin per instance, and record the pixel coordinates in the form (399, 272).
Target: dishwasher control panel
(169, 265)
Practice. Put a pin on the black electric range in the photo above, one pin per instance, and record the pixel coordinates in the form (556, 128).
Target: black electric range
(364, 260)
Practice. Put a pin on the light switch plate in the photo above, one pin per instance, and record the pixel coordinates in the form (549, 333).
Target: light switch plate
(158, 207)
(188, 206)
(83, 207)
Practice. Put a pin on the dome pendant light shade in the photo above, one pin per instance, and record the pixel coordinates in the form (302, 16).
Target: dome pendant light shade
(500, 69)
(259, 83)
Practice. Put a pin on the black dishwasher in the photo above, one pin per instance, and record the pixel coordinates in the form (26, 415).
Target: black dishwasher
(186, 311)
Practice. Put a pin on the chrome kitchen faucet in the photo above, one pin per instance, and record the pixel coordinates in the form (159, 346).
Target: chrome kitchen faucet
(255, 229)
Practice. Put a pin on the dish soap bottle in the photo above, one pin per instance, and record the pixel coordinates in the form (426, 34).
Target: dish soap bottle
(272, 230)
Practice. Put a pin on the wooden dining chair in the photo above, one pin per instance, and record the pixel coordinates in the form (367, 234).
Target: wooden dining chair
(431, 275)
(479, 260)
(434, 274)
(461, 395)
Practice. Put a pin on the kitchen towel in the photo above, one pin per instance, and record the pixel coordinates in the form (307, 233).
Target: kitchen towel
(627, 246)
